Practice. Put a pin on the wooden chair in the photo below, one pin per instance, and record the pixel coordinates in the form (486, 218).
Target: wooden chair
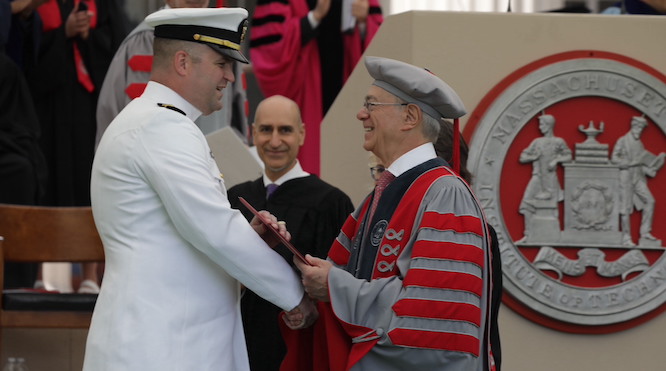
(35, 234)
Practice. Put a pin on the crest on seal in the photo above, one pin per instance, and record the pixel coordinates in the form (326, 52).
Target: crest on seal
(568, 154)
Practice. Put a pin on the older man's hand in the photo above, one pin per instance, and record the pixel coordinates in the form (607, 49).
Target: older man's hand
(315, 277)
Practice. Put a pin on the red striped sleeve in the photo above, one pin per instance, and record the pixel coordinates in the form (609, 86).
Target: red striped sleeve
(435, 340)
(449, 251)
(457, 223)
(269, 18)
(267, 8)
(444, 280)
(141, 63)
(438, 310)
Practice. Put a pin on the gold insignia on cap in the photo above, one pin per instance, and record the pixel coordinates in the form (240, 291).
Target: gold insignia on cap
(244, 31)
(215, 40)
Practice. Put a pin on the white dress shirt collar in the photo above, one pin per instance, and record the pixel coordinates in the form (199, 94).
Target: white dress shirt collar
(295, 172)
(412, 158)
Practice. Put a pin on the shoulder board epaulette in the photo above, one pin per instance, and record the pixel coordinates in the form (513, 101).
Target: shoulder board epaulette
(171, 107)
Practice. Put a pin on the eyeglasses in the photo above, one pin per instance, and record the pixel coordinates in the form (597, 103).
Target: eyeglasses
(368, 105)
(376, 172)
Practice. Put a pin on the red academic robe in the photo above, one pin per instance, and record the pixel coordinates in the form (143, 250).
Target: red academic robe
(283, 66)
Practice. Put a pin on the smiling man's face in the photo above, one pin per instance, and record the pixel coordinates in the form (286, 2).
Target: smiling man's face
(278, 135)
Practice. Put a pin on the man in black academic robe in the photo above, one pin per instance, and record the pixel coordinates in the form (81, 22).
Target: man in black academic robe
(22, 165)
(313, 210)
(75, 46)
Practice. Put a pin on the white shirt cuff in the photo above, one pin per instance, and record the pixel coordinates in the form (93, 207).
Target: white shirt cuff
(313, 22)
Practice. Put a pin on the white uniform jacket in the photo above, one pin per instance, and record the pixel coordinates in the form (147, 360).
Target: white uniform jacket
(175, 250)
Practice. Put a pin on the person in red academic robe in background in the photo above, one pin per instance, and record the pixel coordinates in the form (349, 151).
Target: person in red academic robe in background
(305, 50)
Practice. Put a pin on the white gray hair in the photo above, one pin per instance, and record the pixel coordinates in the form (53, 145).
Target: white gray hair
(431, 127)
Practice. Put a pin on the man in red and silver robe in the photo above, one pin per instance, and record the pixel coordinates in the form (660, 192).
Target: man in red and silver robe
(406, 286)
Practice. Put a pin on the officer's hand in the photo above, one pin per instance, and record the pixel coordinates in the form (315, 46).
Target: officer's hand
(270, 239)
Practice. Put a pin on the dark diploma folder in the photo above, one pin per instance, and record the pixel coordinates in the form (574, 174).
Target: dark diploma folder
(274, 231)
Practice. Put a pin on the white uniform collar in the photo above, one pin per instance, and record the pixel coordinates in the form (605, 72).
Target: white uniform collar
(412, 158)
(295, 172)
(163, 94)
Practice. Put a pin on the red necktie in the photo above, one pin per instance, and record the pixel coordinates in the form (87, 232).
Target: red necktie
(383, 181)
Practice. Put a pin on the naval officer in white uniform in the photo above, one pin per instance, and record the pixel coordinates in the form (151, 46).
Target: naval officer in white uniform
(176, 253)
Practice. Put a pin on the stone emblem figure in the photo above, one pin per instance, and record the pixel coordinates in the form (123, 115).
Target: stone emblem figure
(543, 191)
(635, 164)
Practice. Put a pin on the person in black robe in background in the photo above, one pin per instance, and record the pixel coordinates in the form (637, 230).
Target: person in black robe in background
(65, 104)
(22, 164)
(313, 210)
(75, 45)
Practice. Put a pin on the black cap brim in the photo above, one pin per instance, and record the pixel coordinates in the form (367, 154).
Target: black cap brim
(231, 53)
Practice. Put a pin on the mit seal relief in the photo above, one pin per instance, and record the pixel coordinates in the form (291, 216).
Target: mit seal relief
(568, 154)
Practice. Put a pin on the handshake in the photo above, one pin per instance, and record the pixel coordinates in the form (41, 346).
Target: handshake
(303, 316)
(315, 282)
